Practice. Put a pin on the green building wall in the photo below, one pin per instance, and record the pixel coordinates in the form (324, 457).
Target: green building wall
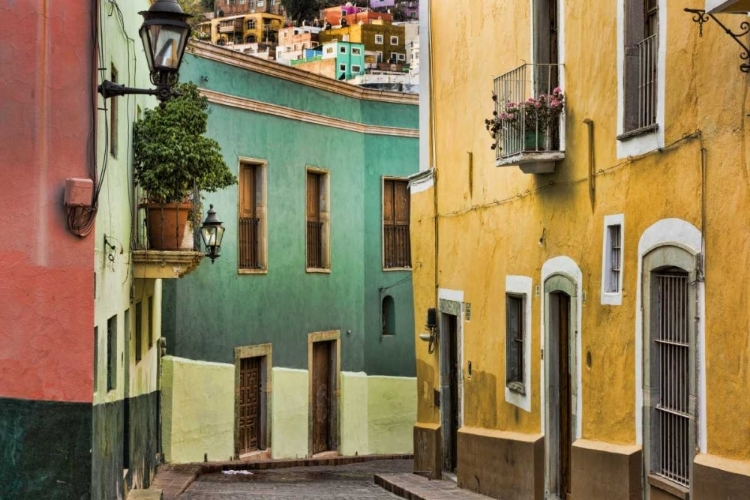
(208, 313)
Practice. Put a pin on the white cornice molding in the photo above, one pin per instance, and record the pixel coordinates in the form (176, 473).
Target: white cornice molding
(276, 70)
(304, 116)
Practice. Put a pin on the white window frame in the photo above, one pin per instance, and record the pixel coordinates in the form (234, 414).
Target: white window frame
(356, 68)
(608, 297)
(325, 218)
(653, 140)
(378, 56)
(380, 38)
(356, 51)
(342, 49)
(400, 56)
(342, 67)
(261, 208)
(521, 286)
(392, 40)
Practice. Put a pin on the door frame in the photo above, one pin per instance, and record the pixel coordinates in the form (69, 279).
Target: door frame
(567, 278)
(558, 283)
(450, 303)
(333, 336)
(265, 352)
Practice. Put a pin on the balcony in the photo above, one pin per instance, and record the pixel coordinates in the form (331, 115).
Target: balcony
(176, 233)
(529, 113)
(231, 26)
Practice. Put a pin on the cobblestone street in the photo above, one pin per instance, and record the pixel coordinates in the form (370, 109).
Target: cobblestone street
(342, 482)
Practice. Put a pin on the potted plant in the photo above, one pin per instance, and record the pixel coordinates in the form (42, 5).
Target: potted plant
(532, 118)
(173, 160)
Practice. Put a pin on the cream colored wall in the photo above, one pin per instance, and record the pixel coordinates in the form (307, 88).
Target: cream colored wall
(354, 413)
(289, 408)
(391, 414)
(197, 410)
(493, 230)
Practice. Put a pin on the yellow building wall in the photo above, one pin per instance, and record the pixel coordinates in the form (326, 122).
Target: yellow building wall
(493, 228)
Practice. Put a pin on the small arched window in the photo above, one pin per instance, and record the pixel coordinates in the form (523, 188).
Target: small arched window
(388, 316)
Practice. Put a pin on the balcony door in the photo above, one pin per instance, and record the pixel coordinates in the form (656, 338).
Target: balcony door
(547, 56)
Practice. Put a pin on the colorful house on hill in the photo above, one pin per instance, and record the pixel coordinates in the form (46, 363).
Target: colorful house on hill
(298, 340)
(586, 279)
(338, 60)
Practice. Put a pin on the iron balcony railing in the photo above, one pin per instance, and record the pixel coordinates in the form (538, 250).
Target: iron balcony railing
(647, 67)
(249, 228)
(314, 245)
(396, 245)
(529, 107)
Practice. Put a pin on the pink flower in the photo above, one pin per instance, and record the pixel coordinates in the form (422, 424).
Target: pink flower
(538, 105)
(530, 100)
(557, 90)
(554, 103)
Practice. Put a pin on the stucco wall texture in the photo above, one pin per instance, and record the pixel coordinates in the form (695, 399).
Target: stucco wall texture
(47, 286)
(198, 410)
(495, 231)
(377, 413)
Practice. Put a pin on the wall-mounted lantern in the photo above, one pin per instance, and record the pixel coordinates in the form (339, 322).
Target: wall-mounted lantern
(432, 327)
(164, 33)
(212, 233)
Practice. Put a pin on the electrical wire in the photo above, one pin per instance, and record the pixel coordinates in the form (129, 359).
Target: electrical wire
(529, 192)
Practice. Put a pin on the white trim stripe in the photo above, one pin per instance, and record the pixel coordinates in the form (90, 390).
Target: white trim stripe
(304, 116)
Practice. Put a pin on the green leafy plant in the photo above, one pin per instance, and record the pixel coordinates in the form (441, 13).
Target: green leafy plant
(171, 154)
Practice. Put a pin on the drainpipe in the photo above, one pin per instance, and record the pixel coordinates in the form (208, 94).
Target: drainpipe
(592, 171)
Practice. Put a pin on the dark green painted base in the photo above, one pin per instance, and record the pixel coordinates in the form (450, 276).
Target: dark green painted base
(144, 439)
(107, 465)
(44, 450)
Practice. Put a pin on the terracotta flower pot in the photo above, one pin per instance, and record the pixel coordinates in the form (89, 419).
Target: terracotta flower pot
(166, 224)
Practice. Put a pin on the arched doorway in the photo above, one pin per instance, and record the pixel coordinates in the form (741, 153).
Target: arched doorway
(560, 364)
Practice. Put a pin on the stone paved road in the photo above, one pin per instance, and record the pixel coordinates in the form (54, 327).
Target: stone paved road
(343, 482)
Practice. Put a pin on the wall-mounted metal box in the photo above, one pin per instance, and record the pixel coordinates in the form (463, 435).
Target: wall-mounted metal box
(79, 192)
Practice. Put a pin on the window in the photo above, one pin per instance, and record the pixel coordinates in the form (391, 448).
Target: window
(400, 57)
(113, 118)
(612, 260)
(669, 378)
(112, 353)
(379, 39)
(514, 341)
(614, 235)
(150, 322)
(394, 40)
(396, 245)
(251, 24)
(138, 331)
(356, 51)
(342, 67)
(388, 316)
(261, 3)
(356, 68)
(342, 49)
(318, 220)
(329, 50)
(252, 218)
(641, 56)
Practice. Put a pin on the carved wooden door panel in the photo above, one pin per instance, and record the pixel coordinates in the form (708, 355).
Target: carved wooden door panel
(249, 410)
(322, 389)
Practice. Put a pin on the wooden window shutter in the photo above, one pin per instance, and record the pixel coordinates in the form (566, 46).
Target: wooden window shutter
(313, 197)
(401, 203)
(247, 190)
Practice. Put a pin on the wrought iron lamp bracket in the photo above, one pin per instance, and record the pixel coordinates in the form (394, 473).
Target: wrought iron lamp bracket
(162, 92)
(701, 17)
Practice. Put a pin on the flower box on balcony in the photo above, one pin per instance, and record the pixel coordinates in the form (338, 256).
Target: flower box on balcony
(527, 130)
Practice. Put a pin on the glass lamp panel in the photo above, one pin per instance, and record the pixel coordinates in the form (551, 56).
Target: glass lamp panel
(208, 234)
(219, 235)
(167, 45)
(147, 47)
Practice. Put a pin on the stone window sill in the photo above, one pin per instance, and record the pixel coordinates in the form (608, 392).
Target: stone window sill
(517, 387)
(668, 486)
(638, 132)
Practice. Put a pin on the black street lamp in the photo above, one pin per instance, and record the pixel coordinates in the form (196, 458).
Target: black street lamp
(164, 33)
(212, 233)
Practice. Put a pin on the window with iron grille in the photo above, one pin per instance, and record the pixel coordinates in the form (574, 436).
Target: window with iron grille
(514, 341)
(138, 331)
(317, 221)
(252, 217)
(112, 353)
(396, 244)
(671, 367)
(641, 65)
(150, 322)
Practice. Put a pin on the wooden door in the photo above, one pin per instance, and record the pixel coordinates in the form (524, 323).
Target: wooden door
(454, 402)
(564, 376)
(249, 410)
(322, 388)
